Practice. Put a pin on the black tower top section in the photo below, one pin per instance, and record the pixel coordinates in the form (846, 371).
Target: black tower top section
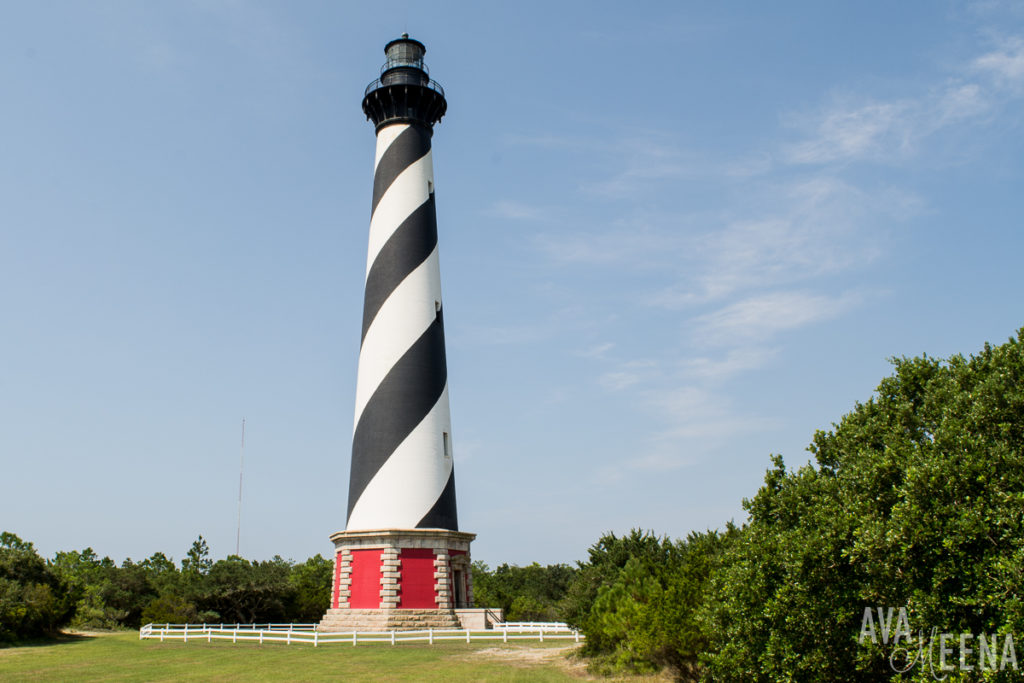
(404, 92)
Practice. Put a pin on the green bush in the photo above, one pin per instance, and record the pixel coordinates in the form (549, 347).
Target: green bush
(637, 598)
(169, 609)
(33, 600)
(530, 593)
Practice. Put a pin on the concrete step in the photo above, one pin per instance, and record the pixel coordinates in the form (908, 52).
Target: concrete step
(346, 620)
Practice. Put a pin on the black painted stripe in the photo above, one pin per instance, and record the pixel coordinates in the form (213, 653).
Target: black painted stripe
(405, 250)
(443, 515)
(412, 144)
(401, 401)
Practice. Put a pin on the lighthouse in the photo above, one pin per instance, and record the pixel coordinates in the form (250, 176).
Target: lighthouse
(401, 561)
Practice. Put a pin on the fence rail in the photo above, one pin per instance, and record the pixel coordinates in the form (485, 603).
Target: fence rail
(270, 626)
(309, 635)
(523, 626)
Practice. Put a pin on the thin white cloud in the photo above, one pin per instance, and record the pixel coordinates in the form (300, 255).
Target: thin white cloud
(849, 130)
(696, 419)
(644, 162)
(761, 317)
(735, 361)
(629, 374)
(697, 415)
(638, 246)
(1006, 64)
(959, 102)
(817, 229)
(617, 381)
(855, 132)
(598, 352)
(515, 210)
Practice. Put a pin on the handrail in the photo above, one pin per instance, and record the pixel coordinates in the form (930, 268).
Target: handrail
(377, 83)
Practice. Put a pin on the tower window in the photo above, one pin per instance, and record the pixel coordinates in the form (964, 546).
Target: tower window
(447, 444)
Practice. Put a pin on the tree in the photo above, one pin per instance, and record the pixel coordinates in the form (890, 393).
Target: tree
(197, 560)
(33, 599)
(311, 589)
(606, 559)
(236, 590)
(637, 601)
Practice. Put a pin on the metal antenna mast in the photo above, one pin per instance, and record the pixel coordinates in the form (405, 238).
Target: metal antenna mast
(241, 467)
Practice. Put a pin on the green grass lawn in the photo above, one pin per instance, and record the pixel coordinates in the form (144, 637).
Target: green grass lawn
(123, 657)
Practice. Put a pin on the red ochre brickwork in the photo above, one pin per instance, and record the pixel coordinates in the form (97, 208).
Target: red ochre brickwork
(417, 582)
(451, 577)
(337, 580)
(366, 573)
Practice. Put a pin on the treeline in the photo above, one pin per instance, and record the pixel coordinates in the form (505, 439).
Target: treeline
(80, 590)
(531, 593)
(910, 520)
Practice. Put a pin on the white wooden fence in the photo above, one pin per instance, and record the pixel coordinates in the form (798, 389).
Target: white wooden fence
(307, 633)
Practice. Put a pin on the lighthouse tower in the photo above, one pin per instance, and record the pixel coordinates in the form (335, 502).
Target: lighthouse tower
(401, 561)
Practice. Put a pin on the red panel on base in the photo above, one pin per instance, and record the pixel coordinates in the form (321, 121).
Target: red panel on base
(416, 585)
(365, 587)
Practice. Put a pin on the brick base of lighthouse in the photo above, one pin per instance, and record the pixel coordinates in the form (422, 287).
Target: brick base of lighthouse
(399, 579)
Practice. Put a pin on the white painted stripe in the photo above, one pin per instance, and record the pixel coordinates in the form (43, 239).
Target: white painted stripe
(410, 189)
(403, 318)
(385, 137)
(409, 483)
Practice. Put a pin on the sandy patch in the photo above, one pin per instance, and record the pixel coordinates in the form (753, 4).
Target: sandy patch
(523, 654)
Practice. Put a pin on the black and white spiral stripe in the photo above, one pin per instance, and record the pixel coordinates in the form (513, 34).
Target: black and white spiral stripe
(402, 473)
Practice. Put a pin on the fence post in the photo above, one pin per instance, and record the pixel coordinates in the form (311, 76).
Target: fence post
(234, 636)
(504, 635)
(430, 635)
(315, 637)
(288, 638)
(162, 632)
(541, 631)
(185, 638)
(577, 634)
(354, 638)
(261, 636)
(467, 635)
(209, 634)
(392, 636)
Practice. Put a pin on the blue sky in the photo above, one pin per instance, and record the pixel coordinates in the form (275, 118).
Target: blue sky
(675, 238)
